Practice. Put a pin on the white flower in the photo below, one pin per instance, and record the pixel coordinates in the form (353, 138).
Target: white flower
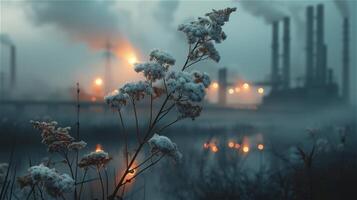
(56, 184)
(77, 145)
(116, 99)
(183, 85)
(322, 145)
(165, 146)
(152, 71)
(137, 90)
(162, 57)
(194, 31)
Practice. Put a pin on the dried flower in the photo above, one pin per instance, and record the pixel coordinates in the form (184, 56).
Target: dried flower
(116, 99)
(188, 110)
(75, 146)
(137, 90)
(200, 77)
(96, 158)
(162, 57)
(165, 146)
(152, 71)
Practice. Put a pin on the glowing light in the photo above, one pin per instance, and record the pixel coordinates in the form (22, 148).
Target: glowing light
(215, 85)
(246, 86)
(245, 149)
(93, 99)
(230, 91)
(98, 81)
(132, 59)
(260, 147)
(214, 148)
(237, 89)
(98, 148)
(261, 90)
(231, 144)
(237, 146)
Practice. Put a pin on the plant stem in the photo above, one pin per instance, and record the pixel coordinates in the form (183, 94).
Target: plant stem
(81, 187)
(136, 122)
(125, 138)
(101, 182)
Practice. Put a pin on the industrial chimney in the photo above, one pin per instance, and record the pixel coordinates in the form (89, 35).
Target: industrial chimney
(320, 62)
(275, 56)
(345, 62)
(309, 46)
(222, 82)
(12, 66)
(286, 54)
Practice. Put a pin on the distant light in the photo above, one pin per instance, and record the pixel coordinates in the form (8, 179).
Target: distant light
(245, 149)
(215, 85)
(98, 148)
(237, 89)
(214, 148)
(98, 81)
(93, 99)
(237, 146)
(246, 86)
(261, 90)
(230, 91)
(132, 60)
(260, 147)
(231, 144)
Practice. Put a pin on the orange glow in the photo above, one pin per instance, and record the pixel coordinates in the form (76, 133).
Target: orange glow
(132, 59)
(230, 91)
(215, 85)
(93, 99)
(98, 81)
(214, 148)
(237, 89)
(231, 144)
(261, 147)
(237, 146)
(246, 86)
(261, 90)
(98, 148)
(245, 149)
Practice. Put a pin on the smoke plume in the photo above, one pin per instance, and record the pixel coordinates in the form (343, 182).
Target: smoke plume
(93, 22)
(342, 6)
(269, 10)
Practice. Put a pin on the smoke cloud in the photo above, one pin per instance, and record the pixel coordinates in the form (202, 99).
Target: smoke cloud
(93, 22)
(342, 6)
(268, 10)
(5, 39)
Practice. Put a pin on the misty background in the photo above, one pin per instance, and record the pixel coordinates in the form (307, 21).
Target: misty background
(63, 42)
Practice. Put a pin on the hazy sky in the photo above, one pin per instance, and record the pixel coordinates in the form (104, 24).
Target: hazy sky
(61, 42)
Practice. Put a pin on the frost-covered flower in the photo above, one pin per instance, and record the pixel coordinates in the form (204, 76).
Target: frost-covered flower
(96, 158)
(158, 88)
(162, 57)
(188, 110)
(116, 99)
(3, 170)
(152, 71)
(137, 90)
(203, 30)
(183, 85)
(55, 184)
(77, 145)
(201, 78)
(164, 145)
(322, 145)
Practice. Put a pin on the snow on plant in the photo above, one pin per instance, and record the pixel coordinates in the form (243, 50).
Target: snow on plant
(96, 158)
(181, 89)
(55, 184)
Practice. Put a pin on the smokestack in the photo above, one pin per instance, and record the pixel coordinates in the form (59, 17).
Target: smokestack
(12, 66)
(320, 62)
(309, 46)
(275, 56)
(345, 61)
(330, 77)
(222, 91)
(286, 54)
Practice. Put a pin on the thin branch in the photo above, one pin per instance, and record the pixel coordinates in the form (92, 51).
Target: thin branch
(125, 138)
(101, 182)
(168, 125)
(136, 122)
(81, 187)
